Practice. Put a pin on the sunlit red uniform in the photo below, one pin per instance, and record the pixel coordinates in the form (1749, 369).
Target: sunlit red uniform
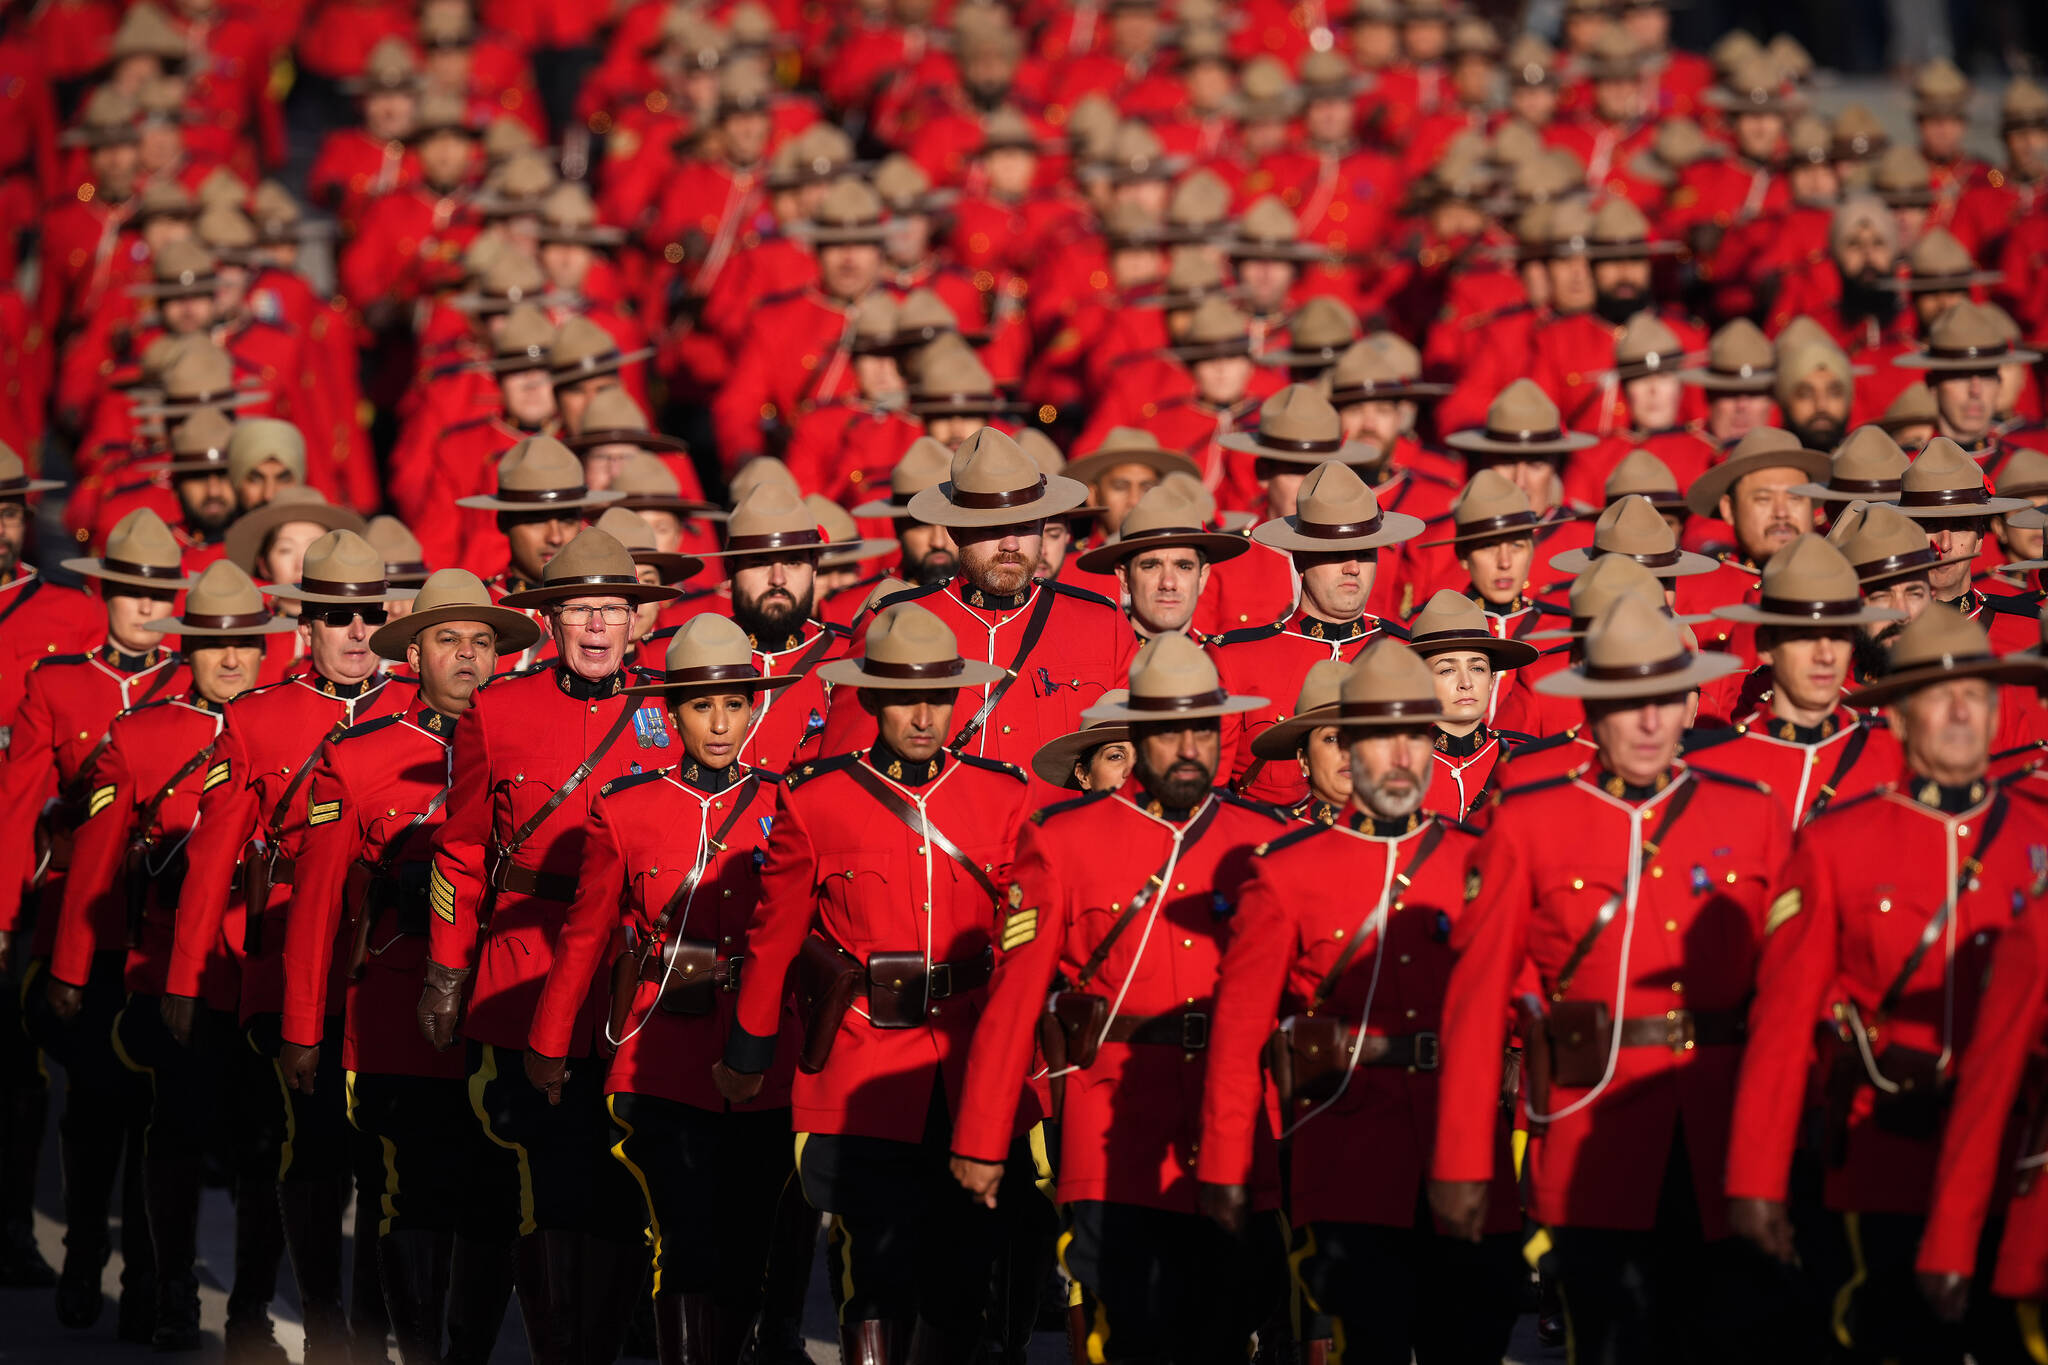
(1807, 767)
(794, 356)
(1270, 661)
(38, 620)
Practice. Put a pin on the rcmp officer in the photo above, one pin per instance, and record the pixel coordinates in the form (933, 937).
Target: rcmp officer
(133, 853)
(354, 955)
(1754, 490)
(253, 813)
(1524, 441)
(1943, 491)
(1494, 541)
(529, 756)
(1470, 665)
(1096, 757)
(688, 902)
(1128, 896)
(39, 619)
(925, 554)
(879, 904)
(1357, 1001)
(1333, 540)
(1309, 738)
(1059, 647)
(1642, 931)
(1162, 559)
(1891, 953)
(540, 503)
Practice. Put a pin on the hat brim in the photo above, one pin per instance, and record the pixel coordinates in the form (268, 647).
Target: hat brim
(245, 534)
(291, 592)
(596, 237)
(1744, 613)
(487, 502)
(1569, 633)
(1921, 360)
(1122, 714)
(1728, 102)
(846, 555)
(965, 405)
(1283, 739)
(167, 406)
(1351, 452)
(866, 234)
(1706, 666)
(1505, 654)
(1704, 494)
(1218, 546)
(1477, 442)
(1211, 350)
(1486, 535)
(1876, 580)
(96, 568)
(764, 683)
(636, 592)
(1990, 507)
(473, 302)
(199, 287)
(1091, 467)
(1240, 250)
(1757, 381)
(1941, 284)
(1279, 533)
(1820, 492)
(33, 486)
(2025, 667)
(172, 625)
(1406, 390)
(586, 441)
(1686, 566)
(820, 548)
(1054, 762)
(515, 629)
(672, 565)
(882, 507)
(611, 364)
(935, 506)
(850, 672)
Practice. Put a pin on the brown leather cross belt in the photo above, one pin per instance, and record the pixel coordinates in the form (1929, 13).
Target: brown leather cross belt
(1187, 1030)
(524, 881)
(1683, 1030)
(1416, 1051)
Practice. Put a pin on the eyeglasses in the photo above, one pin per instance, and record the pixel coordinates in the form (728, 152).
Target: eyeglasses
(341, 618)
(580, 615)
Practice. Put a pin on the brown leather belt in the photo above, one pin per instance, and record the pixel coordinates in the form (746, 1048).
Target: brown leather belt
(947, 979)
(1415, 1051)
(1683, 1030)
(524, 881)
(1187, 1030)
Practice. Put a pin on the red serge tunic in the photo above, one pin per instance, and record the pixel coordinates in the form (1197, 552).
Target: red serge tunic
(1808, 768)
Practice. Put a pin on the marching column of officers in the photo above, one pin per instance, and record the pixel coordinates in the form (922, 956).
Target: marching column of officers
(1736, 1035)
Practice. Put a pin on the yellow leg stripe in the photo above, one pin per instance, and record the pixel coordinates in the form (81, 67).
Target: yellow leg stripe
(619, 1151)
(1098, 1327)
(2031, 1335)
(121, 1054)
(1518, 1145)
(1571, 1338)
(485, 1074)
(1041, 1162)
(835, 1232)
(1853, 1227)
(291, 1121)
(1536, 1246)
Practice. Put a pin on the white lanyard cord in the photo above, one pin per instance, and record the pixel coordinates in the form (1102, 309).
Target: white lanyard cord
(696, 874)
(1375, 923)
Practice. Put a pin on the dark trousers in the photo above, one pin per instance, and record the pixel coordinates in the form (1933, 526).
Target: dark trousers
(906, 1241)
(420, 1159)
(546, 1167)
(1393, 1293)
(1879, 1314)
(316, 1140)
(1161, 1286)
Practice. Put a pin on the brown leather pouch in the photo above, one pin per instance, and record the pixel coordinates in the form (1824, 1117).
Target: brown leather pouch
(1080, 1018)
(684, 967)
(1581, 1037)
(625, 984)
(1307, 1057)
(255, 897)
(896, 990)
(827, 978)
(1916, 1109)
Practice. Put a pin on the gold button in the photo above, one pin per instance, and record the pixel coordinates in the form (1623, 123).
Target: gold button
(593, 710)
(1408, 1014)
(1180, 886)
(1006, 729)
(1963, 830)
(1404, 959)
(1678, 988)
(727, 893)
(1114, 906)
(718, 805)
(1656, 872)
(392, 811)
(1884, 907)
(83, 735)
(1578, 884)
(1731, 879)
(1187, 943)
(728, 937)
(920, 850)
(1338, 935)
(1670, 926)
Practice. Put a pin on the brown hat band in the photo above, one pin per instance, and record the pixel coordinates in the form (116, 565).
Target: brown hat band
(1486, 526)
(239, 622)
(1525, 438)
(1739, 371)
(775, 540)
(590, 362)
(1786, 606)
(9, 487)
(712, 673)
(1436, 636)
(204, 398)
(1168, 705)
(1677, 663)
(1164, 533)
(1009, 497)
(1317, 447)
(543, 495)
(1341, 530)
(595, 580)
(333, 588)
(941, 668)
(1398, 708)
(410, 567)
(1662, 559)
(129, 566)
(1897, 564)
(1944, 497)
(1993, 354)
(1891, 486)
(534, 353)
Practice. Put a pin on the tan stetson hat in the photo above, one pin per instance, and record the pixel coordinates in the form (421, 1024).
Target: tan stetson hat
(404, 560)
(1192, 275)
(584, 350)
(1633, 528)
(849, 215)
(1218, 328)
(614, 419)
(1166, 515)
(146, 31)
(141, 553)
(108, 119)
(523, 342)
(441, 111)
(1336, 510)
(1607, 580)
(756, 471)
(922, 317)
(1942, 482)
(1388, 685)
(1756, 86)
(1939, 263)
(1129, 445)
(1172, 679)
(819, 153)
(994, 483)
(1636, 650)
(1452, 622)
(1616, 231)
(1945, 646)
(1641, 474)
(2025, 474)
(592, 565)
(841, 533)
(1940, 88)
(537, 475)
(1379, 368)
(201, 442)
(180, 270)
(294, 502)
(2025, 106)
(1056, 758)
(1740, 359)
(904, 188)
(1521, 421)
(710, 654)
(1489, 507)
(1133, 153)
(1318, 334)
(638, 537)
(454, 595)
(1809, 583)
(924, 465)
(643, 482)
(952, 382)
(515, 187)
(223, 603)
(1297, 425)
(1844, 525)
(908, 650)
(390, 68)
(1963, 340)
(1315, 706)
(14, 479)
(1647, 346)
(1887, 545)
(1762, 448)
(773, 519)
(568, 217)
(201, 376)
(1858, 134)
(1869, 464)
(1267, 231)
(257, 439)
(511, 277)
(342, 569)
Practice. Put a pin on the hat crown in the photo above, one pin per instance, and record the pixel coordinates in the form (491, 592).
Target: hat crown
(1901, 168)
(1885, 533)
(642, 475)
(1634, 631)
(513, 274)
(847, 204)
(2024, 102)
(1679, 143)
(899, 181)
(1490, 494)
(1216, 320)
(907, 635)
(108, 109)
(1938, 253)
(1740, 347)
(182, 263)
(1915, 403)
(837, 524)
(394, 540)
(1640, 471)
(451, 588)
(222, 589)
(224, 227)
(1448, 613)
(1127, 441)
(1941, 466)
(1618, 220)
(949, 366)
(1646, 339)
(1809, 138)
(141, 537)
(580, 341)
(1869, 453)
(527, 332)
(1810, 570)
(614, 410)
(874, 319)
(568, 205)
(757, 471)
(627, 528)
(1192, 269)
(1633, 526)
(1761, 442)
(592, 554)
(1168, 505)
(2025, 473)
(1389, 672)
(709, 640)
(526, 175)
(342, 557)
(743, 83)
(539, 464)
(1934, 639)
(1042, 451)
(1333, 495)
(1521, 410)
(11, 467)
(925, 464)
(1964, 329)
(1379, 358)
(771, 509)
(256, 439)
(989, 462)
(390, 63)
(1321, 685)
(922, 308)
(1268, 220)
(204, 432)
(1299, 413)
(201, 368)
(1201, 200)
(1172, 668)
(1940, 80)
(1608, 579)
(440, 109)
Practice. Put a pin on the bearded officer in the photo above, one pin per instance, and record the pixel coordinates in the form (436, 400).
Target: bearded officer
(1358, 1001)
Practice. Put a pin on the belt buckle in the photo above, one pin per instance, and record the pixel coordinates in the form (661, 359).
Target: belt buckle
(1429, 1052)
(1680, 1031)
(939, 982)
(1194, 1031)
(732, 972)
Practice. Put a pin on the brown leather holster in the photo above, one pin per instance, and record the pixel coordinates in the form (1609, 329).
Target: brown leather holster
(827, 978)
(1915, 1110)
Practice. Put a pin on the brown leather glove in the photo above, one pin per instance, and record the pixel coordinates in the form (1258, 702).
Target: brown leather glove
(1224, 1205)
(178, 1012)
(1947, 1293)
(298, 1065)
(65, 999)
(737, 1087)
(1460, 1205)
(1764, 1222)
(440, 1007)
(547, 1075)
